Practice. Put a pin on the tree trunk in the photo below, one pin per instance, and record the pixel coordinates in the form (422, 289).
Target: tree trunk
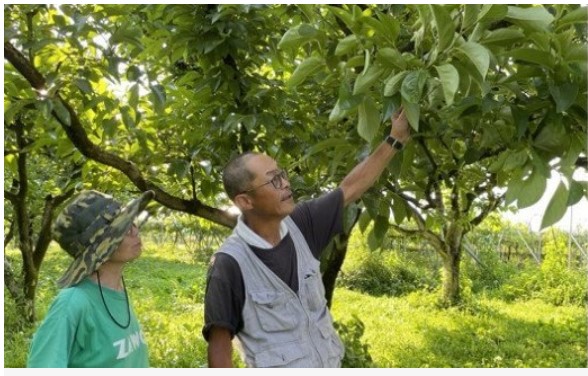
(32, 252)
(451, 288)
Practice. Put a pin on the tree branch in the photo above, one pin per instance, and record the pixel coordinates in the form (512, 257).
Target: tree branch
(78, 136)
(51, 203)
(492, 205)
(9, 235)
(404, 196)
(433, 182)
(10, 282)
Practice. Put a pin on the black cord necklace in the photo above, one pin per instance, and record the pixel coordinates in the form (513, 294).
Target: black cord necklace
(126, 298)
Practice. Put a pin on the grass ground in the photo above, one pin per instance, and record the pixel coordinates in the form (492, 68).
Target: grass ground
(166, 286)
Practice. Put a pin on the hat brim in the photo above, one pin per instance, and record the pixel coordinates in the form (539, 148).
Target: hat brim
(104, 242)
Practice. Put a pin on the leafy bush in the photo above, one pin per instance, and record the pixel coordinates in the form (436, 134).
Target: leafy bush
(379, 275)
(491, 275)
(553, 281)
(557, 287)
(357, 354)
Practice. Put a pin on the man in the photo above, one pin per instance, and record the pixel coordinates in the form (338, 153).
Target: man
(264, 283)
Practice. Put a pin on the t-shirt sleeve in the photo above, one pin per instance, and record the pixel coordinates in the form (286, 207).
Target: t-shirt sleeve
(225, 295)
(320, 219)
(53, 341)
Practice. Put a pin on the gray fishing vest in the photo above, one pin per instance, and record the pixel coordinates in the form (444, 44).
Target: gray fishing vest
(282, 328)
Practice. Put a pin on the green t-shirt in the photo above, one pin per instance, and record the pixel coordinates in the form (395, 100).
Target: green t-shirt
(79, 332)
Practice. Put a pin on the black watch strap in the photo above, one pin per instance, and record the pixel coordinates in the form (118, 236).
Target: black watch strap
(394, 142)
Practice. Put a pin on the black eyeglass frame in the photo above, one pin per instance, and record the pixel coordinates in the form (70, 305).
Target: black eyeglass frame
(276, 181)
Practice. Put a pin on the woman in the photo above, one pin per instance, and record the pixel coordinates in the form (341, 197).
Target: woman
(91, 322)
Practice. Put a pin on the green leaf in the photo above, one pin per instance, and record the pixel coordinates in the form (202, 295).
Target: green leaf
(158, 97)
(399, 210)
(564, 95)
(133, 73)
(381, 226)
(40, 44)
(368, 119)
(336, 114)
(379, 28)
(394, 84)
(346, 45)
(391, 57)
(61, 112)
(532, 189)
(134, 96)
(535, 13)
(503, 36)
(579, 15)
(13, 108)
(367, 60)
(515, 185)
(127, 34)
(364, 220)
(470, 15)
(343, 15)
(531, 55)
(444, 25)
(297, 36)
(413, 85)
(553, 137)
(515, 160)
(535, 18)
(413, 112)
(305, 69)
(576, 53)
(330, 143)
(478, 55)
(127, 118)
(366, 79)
(449, 77)
(83, 85)
(391, 26)
(557, 206)
(576, 192)
(497, 164)
(492, 13)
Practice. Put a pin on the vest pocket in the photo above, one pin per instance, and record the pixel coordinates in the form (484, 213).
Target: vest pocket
(280, 356)
(334, 345)
(314, 290)
(274, 311)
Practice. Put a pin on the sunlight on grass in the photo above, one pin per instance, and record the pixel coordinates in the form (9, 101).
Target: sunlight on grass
(403, 332)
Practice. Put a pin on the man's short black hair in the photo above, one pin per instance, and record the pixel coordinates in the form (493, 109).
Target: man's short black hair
(236, 177)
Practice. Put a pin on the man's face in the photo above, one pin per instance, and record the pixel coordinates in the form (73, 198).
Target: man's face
(269, 192)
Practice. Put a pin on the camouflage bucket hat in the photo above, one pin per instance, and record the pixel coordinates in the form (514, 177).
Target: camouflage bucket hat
(91, 228)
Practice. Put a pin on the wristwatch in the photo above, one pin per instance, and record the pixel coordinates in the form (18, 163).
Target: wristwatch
(394, 142)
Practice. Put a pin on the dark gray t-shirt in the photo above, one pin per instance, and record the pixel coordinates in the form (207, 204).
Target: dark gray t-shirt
(318, 219)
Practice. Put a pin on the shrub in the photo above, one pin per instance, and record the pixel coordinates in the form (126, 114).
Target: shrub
(357, 354)
(378, 275)
(491, 275)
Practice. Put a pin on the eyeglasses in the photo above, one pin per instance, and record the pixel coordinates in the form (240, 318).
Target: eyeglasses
(277, 181)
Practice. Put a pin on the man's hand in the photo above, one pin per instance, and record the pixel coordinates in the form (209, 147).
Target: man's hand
(400, 129)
